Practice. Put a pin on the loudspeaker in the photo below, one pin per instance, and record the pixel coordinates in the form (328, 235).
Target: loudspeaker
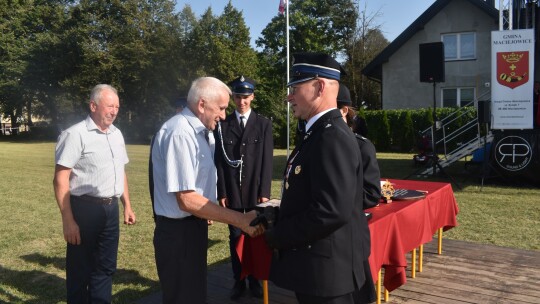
(484, 111)
(432, 62)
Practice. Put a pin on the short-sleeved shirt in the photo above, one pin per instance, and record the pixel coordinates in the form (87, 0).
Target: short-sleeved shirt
(97, 159)
(182, 160)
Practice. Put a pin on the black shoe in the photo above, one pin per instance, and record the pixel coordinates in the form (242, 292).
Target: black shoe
(255, 289)
(238, 289)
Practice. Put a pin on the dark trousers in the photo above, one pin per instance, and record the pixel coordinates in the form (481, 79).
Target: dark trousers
(310, 299)
(356, 297)
(180, 251)
(234, 236)
(91, 265)
(365, 294)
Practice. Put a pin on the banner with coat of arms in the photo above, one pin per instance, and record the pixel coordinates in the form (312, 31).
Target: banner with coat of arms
(512, 70)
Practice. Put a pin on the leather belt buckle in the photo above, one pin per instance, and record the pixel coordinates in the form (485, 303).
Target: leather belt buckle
(107, 200)
(99, 200)
(164, 218)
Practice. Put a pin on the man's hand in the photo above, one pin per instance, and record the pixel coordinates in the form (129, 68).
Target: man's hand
(223, 202)
(261, 200)
(252, 231)
(71, 231)
(267, 217)
(129, 216)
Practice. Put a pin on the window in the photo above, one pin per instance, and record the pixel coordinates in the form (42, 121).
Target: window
(459, 46)
(457, 97)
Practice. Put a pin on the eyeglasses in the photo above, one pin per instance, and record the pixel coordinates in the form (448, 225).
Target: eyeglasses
(293, 88)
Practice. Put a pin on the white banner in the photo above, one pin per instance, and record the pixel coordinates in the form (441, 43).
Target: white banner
(512, 77)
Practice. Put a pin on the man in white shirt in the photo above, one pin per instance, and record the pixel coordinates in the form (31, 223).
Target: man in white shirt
(185, 194)
(89, 179)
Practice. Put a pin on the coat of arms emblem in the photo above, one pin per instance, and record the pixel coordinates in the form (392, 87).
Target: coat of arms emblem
(513, 68)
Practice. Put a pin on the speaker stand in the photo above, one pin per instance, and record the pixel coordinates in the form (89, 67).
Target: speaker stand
(484, 161)
(433, 129)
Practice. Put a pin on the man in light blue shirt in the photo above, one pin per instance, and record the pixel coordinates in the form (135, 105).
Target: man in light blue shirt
(89, 179)
(185, 193)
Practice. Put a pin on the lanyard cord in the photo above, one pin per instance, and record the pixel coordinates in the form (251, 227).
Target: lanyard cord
(233, 163)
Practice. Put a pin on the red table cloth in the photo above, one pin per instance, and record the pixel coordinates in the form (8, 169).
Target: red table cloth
(396, 228)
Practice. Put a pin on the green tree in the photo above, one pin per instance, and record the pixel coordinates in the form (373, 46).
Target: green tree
(132, 45)
(30, 57)
(188, 23)
(220, 45)
(151, 64)
(47, 67)
(201, 46)
(12, 52)
(235, 55)
(367, 42)
(315, 25)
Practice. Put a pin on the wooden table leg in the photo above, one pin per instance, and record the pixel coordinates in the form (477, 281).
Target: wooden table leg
(413, 262)
(378, 287)
(265, 291)
(439, 247)
(421, 258)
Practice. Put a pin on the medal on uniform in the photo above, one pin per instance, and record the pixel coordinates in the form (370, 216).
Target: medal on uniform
(289, 167)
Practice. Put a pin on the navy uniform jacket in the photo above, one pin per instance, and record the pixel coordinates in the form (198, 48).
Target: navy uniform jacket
(372, 174)
(255, 147)
(321, 234)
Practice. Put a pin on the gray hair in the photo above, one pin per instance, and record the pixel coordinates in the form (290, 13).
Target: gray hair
(95, 94)
(208, 88)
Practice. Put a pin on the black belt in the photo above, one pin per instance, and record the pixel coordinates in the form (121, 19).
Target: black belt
(187, 218)
(97, 200)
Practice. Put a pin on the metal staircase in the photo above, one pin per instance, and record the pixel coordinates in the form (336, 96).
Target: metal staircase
(453, 145)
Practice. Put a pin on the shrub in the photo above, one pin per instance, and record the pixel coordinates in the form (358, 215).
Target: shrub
(399, 130)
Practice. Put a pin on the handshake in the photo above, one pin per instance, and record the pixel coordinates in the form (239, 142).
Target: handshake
(266, 216)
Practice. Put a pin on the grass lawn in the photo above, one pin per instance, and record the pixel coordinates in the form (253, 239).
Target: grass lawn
(32, 249)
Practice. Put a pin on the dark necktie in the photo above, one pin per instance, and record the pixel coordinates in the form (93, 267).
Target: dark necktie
(242, 125)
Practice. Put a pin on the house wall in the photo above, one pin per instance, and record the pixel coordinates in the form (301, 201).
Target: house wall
(402, 88)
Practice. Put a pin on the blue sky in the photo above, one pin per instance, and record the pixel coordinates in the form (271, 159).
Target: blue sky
(396, 15)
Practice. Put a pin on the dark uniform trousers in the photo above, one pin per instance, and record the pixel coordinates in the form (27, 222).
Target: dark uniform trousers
(180, 251)
(363, 295)
(91, 265)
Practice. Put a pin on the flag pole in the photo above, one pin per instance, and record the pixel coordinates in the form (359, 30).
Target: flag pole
(288, 77)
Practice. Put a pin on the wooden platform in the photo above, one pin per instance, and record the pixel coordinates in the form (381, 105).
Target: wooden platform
(464, 273)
